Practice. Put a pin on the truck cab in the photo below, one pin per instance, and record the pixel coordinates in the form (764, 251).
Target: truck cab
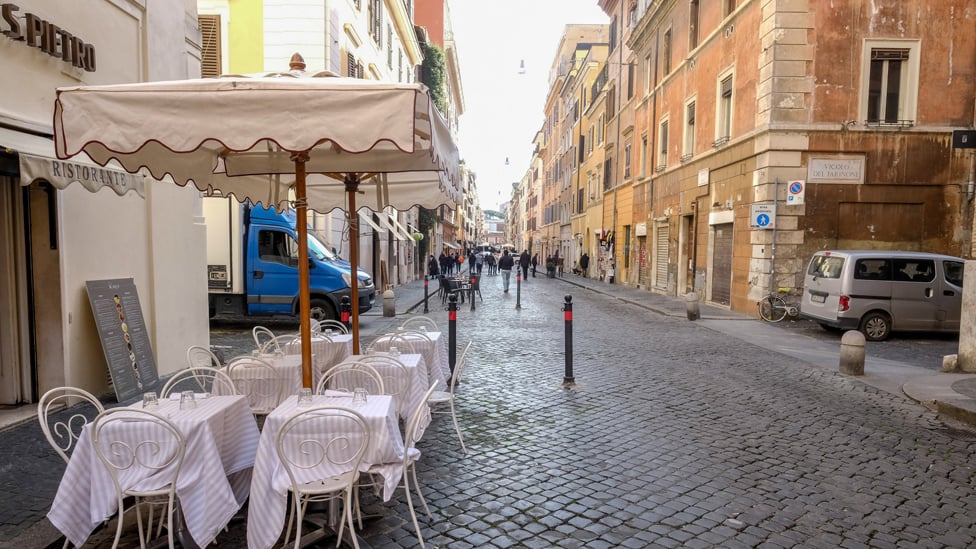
(261, 278)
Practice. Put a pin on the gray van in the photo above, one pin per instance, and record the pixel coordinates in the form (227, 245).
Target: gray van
(880, 291)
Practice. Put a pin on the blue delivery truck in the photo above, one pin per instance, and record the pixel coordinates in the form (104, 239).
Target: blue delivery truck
(252, 263)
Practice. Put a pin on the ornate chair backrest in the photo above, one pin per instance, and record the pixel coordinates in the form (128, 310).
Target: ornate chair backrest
(347, 376)
(259, 381)
(200, 379)
(396, 376)
(198, 355)
(60, 419)
(320, 443)
(333, 325)
(419, 322)
(261, 336)
(135, 444)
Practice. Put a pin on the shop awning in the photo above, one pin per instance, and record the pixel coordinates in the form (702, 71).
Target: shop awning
(38, 163)
(451, 246)
(387, 223)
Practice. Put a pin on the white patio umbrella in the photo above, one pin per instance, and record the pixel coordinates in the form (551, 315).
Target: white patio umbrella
(326, 138)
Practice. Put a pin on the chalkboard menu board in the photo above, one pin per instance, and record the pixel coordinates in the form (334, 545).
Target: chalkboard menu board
(125, 342)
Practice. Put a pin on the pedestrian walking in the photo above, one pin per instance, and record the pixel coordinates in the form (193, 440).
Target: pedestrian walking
(584, 263)
(479, 261)
(505, 265)
(432, 267)
(492, 264)
(524, 262)
(535, 263)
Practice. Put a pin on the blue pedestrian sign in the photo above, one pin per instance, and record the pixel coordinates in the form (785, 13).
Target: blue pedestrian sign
(762, 216)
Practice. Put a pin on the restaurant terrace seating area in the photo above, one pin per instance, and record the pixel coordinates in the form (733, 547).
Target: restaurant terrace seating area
(249, 437)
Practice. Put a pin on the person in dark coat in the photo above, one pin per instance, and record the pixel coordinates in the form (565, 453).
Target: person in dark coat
(433, 269)
(584, 262)
(524, 262)
(505, 265)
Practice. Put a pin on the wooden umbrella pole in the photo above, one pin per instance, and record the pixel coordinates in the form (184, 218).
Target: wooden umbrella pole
(352, 187)
(305, 307)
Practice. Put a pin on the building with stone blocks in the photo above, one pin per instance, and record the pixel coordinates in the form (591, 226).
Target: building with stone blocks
(761, 131)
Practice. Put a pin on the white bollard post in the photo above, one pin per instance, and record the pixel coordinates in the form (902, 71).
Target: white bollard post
(852, 353)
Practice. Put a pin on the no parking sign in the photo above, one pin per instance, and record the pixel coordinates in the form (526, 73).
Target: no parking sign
(795, 191)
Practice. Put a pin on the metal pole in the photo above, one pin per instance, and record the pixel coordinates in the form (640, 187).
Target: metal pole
(568, 379)
(426, 310)
(518, 290)
(304, 301)
(452, 331)
(471, 289)
(772, 256)
(345, 310)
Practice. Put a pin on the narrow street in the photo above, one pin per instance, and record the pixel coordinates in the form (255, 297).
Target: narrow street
(676, 435)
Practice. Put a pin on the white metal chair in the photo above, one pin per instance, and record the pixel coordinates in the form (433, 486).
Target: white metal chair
(321, 449)
(200, 379)
(259, 381)
(419, 323)
(396, 378)
(198, 355)
(440, 399)
(419, 419)
(136, 445)
(279, 344)
(333, 325)
(347, 376)
(386, 342)
(261, 336)
(63, 432)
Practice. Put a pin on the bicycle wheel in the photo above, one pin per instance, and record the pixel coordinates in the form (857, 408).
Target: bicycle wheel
(772, 308)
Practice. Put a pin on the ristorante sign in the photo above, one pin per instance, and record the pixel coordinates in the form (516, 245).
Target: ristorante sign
(46, 36)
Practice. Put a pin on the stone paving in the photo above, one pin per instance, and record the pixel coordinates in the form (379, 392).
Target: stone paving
(675, 436)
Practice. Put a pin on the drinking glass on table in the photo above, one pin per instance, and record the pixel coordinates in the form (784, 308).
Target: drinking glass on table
(358, 396)
(150, 400)
(304, 397)
(188, 401)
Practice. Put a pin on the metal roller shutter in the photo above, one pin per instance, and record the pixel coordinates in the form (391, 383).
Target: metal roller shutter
(722, 264)
(662, 236)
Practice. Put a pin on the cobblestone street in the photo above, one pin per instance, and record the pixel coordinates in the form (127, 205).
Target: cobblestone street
(676, 436)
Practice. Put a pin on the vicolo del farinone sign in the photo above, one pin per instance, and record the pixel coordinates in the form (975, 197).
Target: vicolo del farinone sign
(46, 36)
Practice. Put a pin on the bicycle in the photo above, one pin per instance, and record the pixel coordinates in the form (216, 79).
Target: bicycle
(774, 306)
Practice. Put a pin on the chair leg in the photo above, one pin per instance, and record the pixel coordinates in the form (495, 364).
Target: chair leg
(170, 510)
(142, 536)
(413, 513)
(413, 471)
(118, 528)
(457, 429)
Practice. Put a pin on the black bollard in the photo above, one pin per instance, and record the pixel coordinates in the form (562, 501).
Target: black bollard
(452, 331)
(518, 291)
(426, 310)
(471, 291)
(568, 379)
(345, 311)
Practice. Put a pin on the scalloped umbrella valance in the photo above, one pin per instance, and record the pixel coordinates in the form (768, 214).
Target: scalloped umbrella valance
(330, 141)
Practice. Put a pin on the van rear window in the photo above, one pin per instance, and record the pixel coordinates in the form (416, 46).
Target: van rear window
(953, 272)
(822, 266)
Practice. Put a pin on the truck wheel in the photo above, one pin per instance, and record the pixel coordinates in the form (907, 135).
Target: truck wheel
(323, 310)
(876, 326)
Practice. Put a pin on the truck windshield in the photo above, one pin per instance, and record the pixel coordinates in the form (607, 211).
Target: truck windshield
(319, 250)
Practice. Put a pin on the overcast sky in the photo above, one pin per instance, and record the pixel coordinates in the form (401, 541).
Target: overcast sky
(504, 109)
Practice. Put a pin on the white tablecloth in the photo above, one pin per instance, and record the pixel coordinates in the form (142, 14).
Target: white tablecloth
(416, 371)
(221, 439)
(326, 352)
(288, 369)
(270, 483)
(435, 355)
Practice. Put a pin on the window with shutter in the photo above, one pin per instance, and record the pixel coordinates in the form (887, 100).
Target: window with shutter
(210, 53)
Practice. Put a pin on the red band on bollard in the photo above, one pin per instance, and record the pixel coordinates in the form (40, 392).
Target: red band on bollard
(452, 315)
(345, 317)
(425, 283)
(568, 315)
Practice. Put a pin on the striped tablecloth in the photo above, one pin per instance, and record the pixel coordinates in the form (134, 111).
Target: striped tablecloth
(327, 351)
(416, 371)
(434, 351)
(287, 367)
(221, 440)
(270, 483)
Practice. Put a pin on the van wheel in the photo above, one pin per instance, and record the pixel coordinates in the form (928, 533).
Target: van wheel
(322, 310)
(876, 326)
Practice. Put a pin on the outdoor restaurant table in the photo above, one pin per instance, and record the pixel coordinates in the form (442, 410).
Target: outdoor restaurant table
(416, 370)
(288, 368)
(327, 351)
(270, 483)
(221, 442)
(435, 354)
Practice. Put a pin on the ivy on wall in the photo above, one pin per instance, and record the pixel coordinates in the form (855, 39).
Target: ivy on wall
(434, 75)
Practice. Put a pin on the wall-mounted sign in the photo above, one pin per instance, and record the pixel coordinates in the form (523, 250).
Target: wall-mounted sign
(762, 216)
(125, 341)
(795, 192)
(46, 36)
(640, 229)
(703, 177)
(836, 170)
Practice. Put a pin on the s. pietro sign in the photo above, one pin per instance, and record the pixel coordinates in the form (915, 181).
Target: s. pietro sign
(49, 37)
